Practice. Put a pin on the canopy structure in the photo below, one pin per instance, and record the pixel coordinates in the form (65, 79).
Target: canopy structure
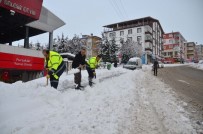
(20, 20)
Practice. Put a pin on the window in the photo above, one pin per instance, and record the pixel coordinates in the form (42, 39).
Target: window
(121, 40)
(139, 30)
(171, 35)
(171, 46)
(139, 38)
(112, 34)
(130, 39)
(165, 47)
(130, 31)
(121, 33)
(171, 41)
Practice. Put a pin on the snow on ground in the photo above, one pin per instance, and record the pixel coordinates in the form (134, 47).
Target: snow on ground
(121, 102)
(196, 65)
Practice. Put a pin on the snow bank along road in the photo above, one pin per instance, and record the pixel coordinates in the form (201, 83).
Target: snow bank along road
(135, 102)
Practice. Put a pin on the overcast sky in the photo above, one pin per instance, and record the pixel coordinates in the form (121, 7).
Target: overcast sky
(88, 16)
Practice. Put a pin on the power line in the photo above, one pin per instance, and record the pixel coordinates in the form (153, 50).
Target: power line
(117, 6)
(123, 8)
(115, 9)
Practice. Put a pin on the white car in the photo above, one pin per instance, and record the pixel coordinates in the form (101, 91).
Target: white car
(133, 63)
(161, 64)
(200, 62)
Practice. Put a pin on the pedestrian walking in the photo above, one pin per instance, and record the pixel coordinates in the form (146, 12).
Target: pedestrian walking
(91, 66)
(79, 62)
(155, 67)
(55, 66)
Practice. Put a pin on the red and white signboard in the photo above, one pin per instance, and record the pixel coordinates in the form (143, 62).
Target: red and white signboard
(13, 61)
(20, 58)
(31, 8)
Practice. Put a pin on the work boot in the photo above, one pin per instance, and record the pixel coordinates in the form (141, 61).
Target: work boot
(90, 83)
(77, 87)
(80, 85)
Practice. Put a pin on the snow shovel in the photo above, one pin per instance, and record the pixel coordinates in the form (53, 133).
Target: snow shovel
(47, 82)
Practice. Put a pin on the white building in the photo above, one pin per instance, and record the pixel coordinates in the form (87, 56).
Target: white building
(145, 31)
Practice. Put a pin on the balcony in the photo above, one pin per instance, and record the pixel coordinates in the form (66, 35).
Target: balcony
(190, 48)
(148, 30)
(148, 38)
(148, 46)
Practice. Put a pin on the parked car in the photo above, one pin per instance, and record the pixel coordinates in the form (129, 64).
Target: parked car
(133, 63)
(200, 62)
(168, 62)
(161, 64)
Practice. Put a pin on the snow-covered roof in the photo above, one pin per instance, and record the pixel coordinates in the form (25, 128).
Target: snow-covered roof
(69, 54)
(134, 59)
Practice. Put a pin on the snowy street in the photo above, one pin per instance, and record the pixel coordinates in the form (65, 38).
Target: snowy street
(121, 102)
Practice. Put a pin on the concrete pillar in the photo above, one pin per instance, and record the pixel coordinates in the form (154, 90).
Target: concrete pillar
(51, 40)
(26, 40)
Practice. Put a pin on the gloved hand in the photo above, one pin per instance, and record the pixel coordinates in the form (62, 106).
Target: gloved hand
(50, 72)
(48, 76)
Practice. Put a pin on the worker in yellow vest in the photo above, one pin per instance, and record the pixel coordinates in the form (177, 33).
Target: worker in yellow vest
(55, 66)
(92, 64)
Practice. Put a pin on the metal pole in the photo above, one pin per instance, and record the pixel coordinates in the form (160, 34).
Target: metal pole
(26, 40)
(50, 40)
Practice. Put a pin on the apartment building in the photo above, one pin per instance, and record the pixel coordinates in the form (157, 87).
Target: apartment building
(199, 49)
(174, 49)
(190, 51)
(145, 31)
(91, 43)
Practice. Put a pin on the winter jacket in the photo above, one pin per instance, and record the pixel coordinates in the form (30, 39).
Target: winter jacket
(78, 60)
(155, 64)
(92, 62)
(53, 63)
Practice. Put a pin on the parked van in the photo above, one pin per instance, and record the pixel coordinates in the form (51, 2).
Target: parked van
(133, 63)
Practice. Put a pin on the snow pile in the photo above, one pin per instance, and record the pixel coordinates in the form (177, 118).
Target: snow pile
(121, 102)
(196, 65)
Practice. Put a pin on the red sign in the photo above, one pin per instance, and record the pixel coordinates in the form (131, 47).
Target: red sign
(31, 8)
(13, 61)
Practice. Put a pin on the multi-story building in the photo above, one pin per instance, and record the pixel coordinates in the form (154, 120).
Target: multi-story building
(190, 51)
(91, 43)
(173, 44)
(199, 49)
(145, 31)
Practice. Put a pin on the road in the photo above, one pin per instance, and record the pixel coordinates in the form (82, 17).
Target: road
(187, 82)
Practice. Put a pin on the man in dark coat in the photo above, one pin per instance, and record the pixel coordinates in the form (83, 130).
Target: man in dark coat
(79, 62)
(155, 67)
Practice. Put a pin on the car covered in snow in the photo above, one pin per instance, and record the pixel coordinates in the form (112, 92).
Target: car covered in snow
(161, 64)
(133, 63)
(200, 62)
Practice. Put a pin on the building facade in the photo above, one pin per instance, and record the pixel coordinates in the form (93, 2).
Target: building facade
(199, 49)
(145, 31)
(91, 42)
(174, 49)
(190, 51)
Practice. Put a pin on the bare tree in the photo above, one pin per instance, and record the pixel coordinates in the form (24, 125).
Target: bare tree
(130, 49)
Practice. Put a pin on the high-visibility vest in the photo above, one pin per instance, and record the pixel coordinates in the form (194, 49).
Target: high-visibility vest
(92, 62)
(54, 61)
